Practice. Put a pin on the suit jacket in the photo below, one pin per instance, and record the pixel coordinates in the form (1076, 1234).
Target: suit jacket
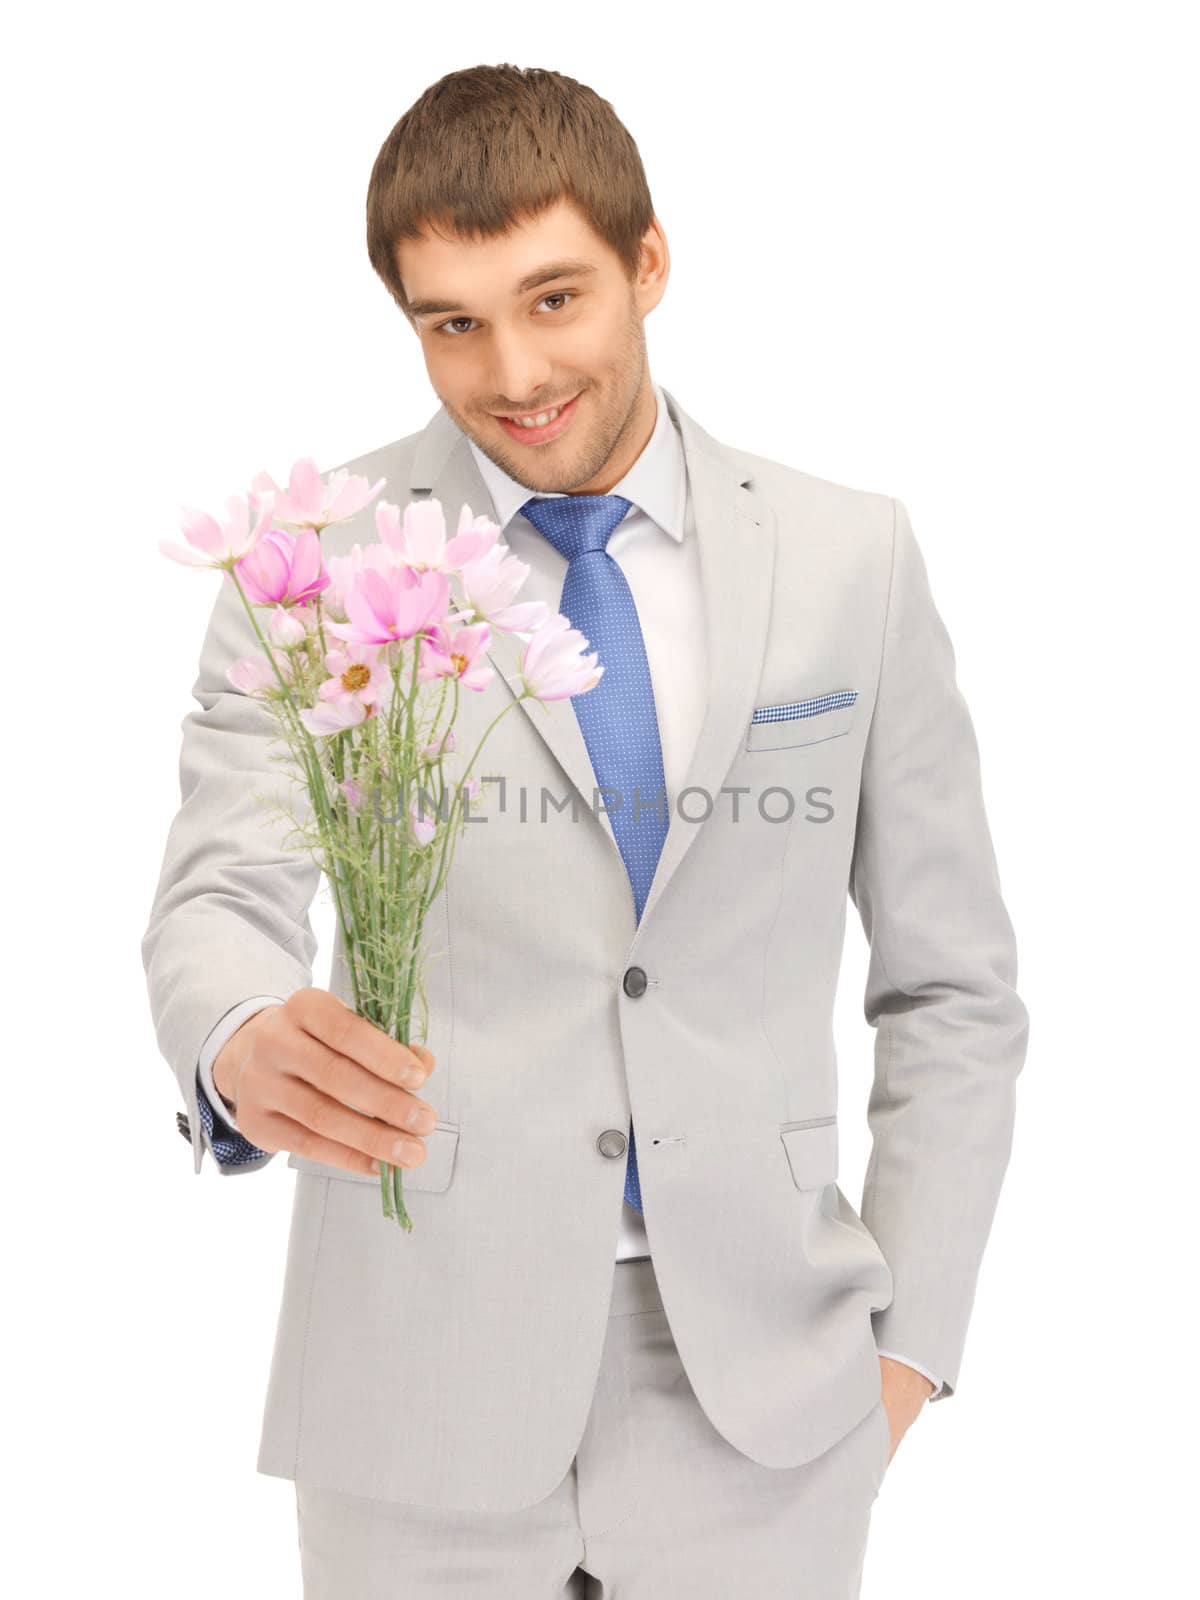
(454, 1366)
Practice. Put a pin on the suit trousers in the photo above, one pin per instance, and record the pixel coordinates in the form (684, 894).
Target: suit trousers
(655, 1502)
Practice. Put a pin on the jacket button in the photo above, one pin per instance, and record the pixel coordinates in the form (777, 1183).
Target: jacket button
(634, 982)
(611, 1142)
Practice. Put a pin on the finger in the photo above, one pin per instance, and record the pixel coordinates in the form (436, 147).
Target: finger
(294, 1136)
(350, 1035)
(346, 1081)
(316, 1123)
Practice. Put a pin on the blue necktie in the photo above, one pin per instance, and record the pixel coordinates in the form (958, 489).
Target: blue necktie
(617, 718)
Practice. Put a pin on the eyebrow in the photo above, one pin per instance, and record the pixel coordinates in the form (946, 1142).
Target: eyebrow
(532, 280)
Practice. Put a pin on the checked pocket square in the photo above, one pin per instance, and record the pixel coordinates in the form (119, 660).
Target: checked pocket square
(794, 722)
(805, 708)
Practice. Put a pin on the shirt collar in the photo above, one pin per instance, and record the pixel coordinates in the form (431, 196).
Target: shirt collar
(656, 482)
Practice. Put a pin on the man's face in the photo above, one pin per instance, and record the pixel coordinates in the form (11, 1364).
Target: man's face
(495, 341)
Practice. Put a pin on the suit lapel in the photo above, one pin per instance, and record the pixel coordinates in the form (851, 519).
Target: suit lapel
(736, 533)
(735, 529)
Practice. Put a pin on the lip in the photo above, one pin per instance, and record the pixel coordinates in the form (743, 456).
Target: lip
(561, 423)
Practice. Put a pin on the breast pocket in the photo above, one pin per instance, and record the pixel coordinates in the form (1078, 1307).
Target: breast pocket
(823, 716)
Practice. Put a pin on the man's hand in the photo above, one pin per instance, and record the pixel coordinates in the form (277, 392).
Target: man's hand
(294, 1073)
(905, 1391)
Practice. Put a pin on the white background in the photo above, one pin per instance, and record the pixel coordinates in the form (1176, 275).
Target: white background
(944, 252)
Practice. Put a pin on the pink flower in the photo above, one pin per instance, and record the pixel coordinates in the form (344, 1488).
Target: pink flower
(439, 747)
(552, 667)
(489, 584)
(417, 536)
(480, 529)
(344, 569)
(382, 606)
(423, 827)
(352, 789)
(334, 716)
(311, 502)
(342, 572)
(253, 674)
(214, 545)
(357, 674)
(446, 654)
(286, 629)
(283, 569)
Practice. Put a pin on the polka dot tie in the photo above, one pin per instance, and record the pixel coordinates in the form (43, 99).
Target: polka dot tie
(617, 718)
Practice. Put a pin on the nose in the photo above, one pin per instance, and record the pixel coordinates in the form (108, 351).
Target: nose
(518, 368)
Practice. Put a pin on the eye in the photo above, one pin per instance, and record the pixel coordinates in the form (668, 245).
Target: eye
(450, 331)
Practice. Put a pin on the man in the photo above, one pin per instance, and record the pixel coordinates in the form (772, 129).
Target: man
(638, 1337)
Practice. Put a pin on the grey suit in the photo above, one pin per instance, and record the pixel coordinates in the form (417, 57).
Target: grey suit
(454, 1367)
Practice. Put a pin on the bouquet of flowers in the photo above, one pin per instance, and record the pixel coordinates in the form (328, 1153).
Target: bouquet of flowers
(363, 659)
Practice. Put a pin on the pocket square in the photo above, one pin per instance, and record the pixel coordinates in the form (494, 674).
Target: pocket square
(805, 708)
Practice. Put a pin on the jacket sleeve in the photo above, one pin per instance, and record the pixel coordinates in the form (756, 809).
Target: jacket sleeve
(230, 914)
(950, 1029)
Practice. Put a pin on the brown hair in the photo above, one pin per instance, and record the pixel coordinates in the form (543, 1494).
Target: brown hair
(489, 147)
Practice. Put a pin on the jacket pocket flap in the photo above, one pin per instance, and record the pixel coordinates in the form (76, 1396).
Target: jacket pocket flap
(433, 1175)
(812, 1151)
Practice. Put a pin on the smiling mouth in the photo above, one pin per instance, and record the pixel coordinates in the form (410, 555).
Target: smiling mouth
(535, 433)
(535, 419)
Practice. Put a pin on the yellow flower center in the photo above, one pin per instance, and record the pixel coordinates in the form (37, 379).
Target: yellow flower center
(356, 677)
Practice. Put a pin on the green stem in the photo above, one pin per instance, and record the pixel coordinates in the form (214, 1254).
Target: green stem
(316, 781)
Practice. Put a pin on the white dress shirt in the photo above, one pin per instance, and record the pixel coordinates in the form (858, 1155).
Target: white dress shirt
(656, 547)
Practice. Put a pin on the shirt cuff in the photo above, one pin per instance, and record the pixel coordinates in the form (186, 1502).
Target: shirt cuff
(230, 1148)
(916, 1365)
(218, 1036)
